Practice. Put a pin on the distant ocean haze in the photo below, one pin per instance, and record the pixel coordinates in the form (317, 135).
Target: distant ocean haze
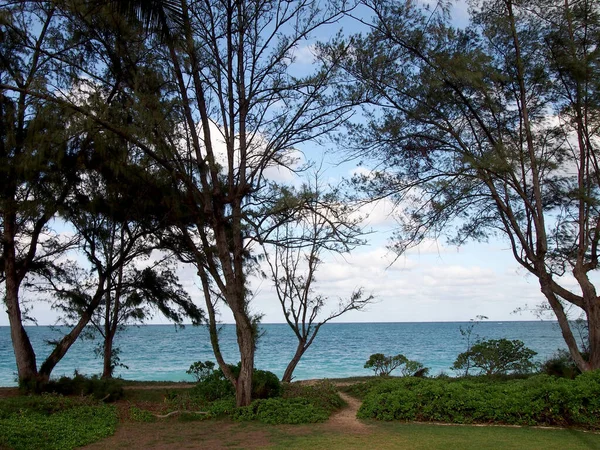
(164, 353)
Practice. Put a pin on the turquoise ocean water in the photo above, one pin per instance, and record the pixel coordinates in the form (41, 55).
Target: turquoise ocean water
(162, 352)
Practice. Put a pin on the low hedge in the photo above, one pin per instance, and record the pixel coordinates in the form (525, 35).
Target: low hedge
(538, 400)
(298, 404)
(53, 422)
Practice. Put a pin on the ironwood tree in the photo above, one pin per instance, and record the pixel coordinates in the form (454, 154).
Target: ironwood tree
(214, 102)
(294, 250)
(39, 166)
(491, 130)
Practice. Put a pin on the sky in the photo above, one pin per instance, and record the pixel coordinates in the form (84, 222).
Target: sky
(432, 282)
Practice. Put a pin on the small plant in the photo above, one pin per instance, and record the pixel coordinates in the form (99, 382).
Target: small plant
(213, 385)
(497, 357)
(141, 415)
(384, 365)
(201, 370)
(560, 365)
(470, 338)
(106, 389)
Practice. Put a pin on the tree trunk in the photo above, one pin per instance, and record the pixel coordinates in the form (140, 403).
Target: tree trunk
(593, 320)
(289, 370)
(563, 323)
(65, 343)
(24, 353)
(107, 370)
(245, 337)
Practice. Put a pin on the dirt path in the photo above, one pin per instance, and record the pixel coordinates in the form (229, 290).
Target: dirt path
(346, 418)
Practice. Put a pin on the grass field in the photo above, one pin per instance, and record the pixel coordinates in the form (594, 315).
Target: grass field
(341, 431)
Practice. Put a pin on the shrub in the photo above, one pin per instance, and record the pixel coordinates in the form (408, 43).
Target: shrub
(323, 394)
(538, 400)
(560, 365)
(497, 357)
(384, 365)
(201, 370)
(215, 385)
(298, 404)
(54, 422)
(277, 411)
(106, 389)
(141, 415)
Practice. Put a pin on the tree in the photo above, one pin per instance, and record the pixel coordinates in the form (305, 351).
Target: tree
(223, 107)
(293, 253)
(470, 339)
(491, 130)
(119, 215)
(384, 365)
(45, 146)
(497, 357)
(39, 166)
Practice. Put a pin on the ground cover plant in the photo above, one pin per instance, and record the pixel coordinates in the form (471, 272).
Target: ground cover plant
(298, 404)
(276, 403)
(537, 400)
(54, 422)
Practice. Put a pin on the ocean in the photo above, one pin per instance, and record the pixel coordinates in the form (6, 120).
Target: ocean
(163, 352)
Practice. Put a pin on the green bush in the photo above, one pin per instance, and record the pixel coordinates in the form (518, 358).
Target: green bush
(497, 357)
(384, 365)
(538, 400)
(214, 386)
(141, 415)
(323, 394)
(298, 404)
(277, 411)
(201, 370)
(54, 422)
(106, 389)
(560, 365)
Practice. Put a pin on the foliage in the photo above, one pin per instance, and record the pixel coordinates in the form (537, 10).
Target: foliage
(538, 400)
(321, 223)
(413, 369)
(560, 365)
(141, 415)
(99, 388)
(323, 394)
(201, 370)
(53, 422)
(214, 385)
(488, 130)
(469, 337)
(277, 411)
(497, 357)
(298, 404)
(384, 365)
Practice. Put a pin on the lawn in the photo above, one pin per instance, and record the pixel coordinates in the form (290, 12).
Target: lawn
(341, 431)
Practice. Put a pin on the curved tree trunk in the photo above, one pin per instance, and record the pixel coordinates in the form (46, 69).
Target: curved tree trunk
(24, 353)
(289, 370)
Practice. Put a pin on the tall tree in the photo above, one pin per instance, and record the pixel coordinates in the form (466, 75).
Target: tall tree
(322, 224)
(119, 219)
(492, 129)
(222, 106)
(38, 165)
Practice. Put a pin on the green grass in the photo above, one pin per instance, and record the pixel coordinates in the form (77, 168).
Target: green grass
(53, 422)
(427, 436)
